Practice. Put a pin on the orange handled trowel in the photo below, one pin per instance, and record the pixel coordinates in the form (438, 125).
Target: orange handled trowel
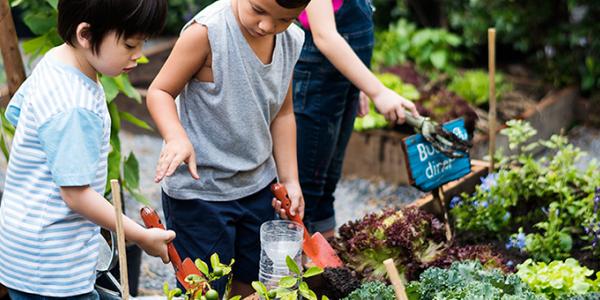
(182, 269)
(316, 247)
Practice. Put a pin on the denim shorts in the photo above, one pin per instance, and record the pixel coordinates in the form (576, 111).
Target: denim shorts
(18, 295)
(229, 228)
(325, 105)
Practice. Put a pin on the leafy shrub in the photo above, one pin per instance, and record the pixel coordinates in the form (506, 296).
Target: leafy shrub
(469, 281)
(551, 198)
(474, 86)
(431, 49)
(558, 279)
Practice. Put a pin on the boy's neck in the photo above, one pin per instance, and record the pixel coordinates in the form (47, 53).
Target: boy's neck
(74, 57)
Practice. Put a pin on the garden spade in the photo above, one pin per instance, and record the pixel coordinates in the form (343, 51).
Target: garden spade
(316, 246)
(182, 269)
(441, 139)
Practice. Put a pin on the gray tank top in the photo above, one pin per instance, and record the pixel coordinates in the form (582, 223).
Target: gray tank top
(228, 121)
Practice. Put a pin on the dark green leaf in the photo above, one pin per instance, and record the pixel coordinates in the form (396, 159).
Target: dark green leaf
(131, 171)
(135, 121)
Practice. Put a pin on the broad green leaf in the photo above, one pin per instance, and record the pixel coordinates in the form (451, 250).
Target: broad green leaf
(131, 171)
(125, 86)
(134, 120)
(53, 3)
(115, 125)
(238, 297)
(214, 261)
(114, 168)
(111, 88)
(259, 287)
(312, 271)
(288, 282)
(439, 59)
(202, 266)
(41, 22)
(292, 265)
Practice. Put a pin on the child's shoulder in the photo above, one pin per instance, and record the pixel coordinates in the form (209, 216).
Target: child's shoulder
(295, 34)
(213, 13)
(53, 87)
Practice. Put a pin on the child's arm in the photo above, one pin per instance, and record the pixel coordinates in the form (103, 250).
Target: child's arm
(187, 57)
(340, 54)
(88, 203)
(283, 131)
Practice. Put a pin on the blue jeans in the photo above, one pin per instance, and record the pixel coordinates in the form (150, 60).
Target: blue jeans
(17, 295)
(325, 105)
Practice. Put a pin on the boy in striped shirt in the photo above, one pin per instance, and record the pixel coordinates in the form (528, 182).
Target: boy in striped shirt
(52, 204)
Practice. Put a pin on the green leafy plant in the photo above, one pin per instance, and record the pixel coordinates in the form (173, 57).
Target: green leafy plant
(473, 86)
(550, 198)
(41, 17)
(372, 290)
(201, 288)
(432, 50)
(558, 279)
(469, 281)
(290, 287)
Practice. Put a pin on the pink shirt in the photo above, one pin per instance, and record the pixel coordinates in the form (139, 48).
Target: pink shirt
(304, 18)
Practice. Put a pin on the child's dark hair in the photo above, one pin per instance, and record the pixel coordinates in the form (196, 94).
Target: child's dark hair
(126, 18)
(291, 4)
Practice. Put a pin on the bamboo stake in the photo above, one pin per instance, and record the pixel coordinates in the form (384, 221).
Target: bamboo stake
(392, 272)
(116, 196)
(492, 112)
(9, 46)
(439, 192)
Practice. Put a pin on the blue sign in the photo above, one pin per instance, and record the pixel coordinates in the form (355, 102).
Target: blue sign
(429, 168)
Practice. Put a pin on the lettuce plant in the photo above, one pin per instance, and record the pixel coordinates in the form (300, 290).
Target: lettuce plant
(558, 279)
(411, 237)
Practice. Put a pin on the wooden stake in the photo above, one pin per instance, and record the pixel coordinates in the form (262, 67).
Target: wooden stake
(392, 272)
(492, 112)
(9, 46)
(116, 196)
(439, 194)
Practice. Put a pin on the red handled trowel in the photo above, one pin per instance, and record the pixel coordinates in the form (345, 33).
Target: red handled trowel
(316, 246)
(182, 269)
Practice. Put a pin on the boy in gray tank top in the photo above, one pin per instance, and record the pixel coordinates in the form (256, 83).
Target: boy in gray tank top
(233, 132)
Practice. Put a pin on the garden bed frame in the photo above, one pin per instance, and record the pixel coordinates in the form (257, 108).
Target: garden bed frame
(379, 153)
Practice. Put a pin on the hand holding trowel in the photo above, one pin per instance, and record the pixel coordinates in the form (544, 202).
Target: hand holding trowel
(182, 269)
(316, 247)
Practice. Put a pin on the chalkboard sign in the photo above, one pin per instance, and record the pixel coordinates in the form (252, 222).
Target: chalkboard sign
(427, 167)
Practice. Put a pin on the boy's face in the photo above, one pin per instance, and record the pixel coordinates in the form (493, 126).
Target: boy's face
(117, 55)
(261, 18)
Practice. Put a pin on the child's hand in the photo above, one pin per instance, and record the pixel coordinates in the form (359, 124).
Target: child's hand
(295, 194)
(363, 104)
(174, 153)
(392, 106)
(154, 242)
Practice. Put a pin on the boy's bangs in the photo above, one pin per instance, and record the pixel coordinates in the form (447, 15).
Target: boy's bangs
(146, 18)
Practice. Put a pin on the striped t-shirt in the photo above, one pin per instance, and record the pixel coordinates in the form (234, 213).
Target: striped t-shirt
(61, 139)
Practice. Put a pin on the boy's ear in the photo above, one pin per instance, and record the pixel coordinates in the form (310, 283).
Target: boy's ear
(84, 36)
